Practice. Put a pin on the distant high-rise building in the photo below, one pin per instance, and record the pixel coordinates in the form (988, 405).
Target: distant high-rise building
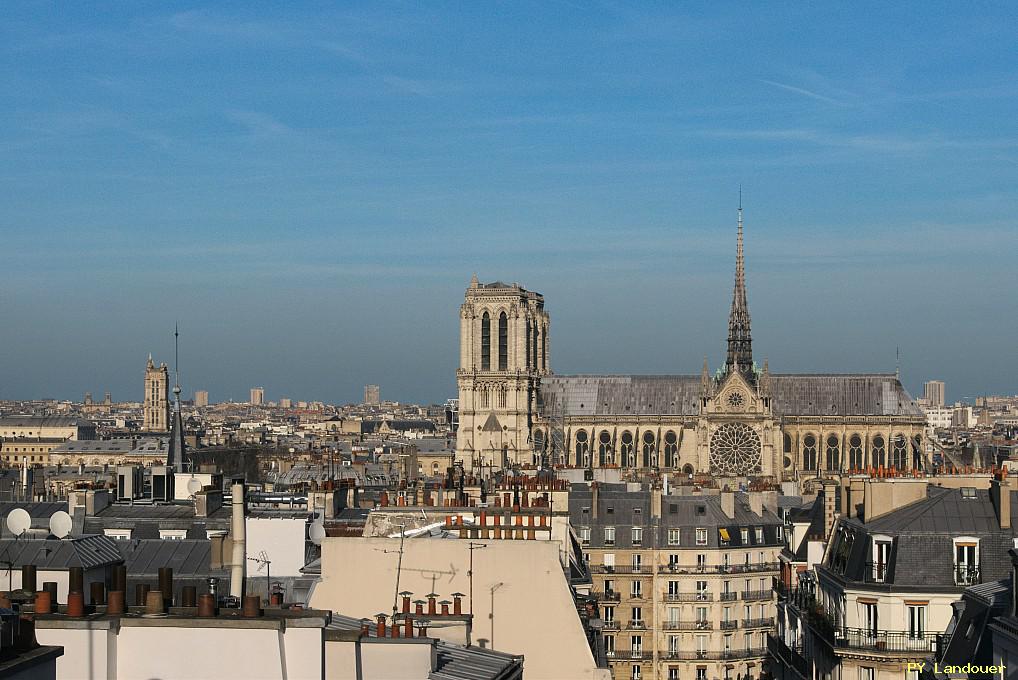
(372, 395)
(157, 397)
(201, 398)
(933, 393)
(257, 396)
(285, 403)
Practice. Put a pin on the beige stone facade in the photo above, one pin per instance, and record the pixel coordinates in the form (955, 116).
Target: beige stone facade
(740, 422)
(157, 398)
(503, 355)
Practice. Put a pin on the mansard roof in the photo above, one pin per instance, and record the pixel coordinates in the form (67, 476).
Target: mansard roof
(678, 395)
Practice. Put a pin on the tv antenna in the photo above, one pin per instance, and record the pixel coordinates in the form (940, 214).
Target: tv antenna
(264, 561)
(471, 546)
(399, 568)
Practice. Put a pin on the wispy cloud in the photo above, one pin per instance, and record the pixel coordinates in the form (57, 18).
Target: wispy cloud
(803, 91)
(258, 123)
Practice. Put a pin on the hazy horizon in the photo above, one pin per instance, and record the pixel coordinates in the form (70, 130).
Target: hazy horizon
(308, 191)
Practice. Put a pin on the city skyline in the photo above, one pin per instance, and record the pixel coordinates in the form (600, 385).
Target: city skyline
(308, 192)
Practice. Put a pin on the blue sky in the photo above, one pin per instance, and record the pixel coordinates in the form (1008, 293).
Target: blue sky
(308, 189)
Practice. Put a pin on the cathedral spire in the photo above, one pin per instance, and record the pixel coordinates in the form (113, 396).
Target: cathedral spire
(740, 344)
(175, 456)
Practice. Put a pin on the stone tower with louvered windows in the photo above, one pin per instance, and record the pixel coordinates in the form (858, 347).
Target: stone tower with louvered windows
(503, 355)
(157, 397)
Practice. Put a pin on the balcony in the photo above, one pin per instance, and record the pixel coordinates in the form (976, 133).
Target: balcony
(875, 572)
(688, 625)
(611, 625)
(790, 655)
(620, 569)
(608, 596)
(729, 625)
(729, 596)
(637, 625)
(702, 596)
(629, 655)
(757, 594)
(758, 623)
(706, 655)
(748, 568)
(966, 575)
(885, 641)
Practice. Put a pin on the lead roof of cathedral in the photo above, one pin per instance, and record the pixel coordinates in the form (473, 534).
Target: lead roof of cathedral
(793, 395)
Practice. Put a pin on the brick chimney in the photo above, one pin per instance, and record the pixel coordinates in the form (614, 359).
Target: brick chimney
(830, 505)
(655, 501)
(593, 500)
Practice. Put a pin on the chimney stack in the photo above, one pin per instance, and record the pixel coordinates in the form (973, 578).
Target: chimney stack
(238, 534)
(1000, 494)
(830, 506)
(728, 502)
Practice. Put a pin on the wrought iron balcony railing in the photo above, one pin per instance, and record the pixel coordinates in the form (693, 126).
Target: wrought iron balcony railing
(699, 596)
(757, 594)
(758, 623)
(885, 641)
(688, 625)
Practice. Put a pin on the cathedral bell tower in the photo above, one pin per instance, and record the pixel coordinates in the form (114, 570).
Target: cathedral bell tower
(503, 355)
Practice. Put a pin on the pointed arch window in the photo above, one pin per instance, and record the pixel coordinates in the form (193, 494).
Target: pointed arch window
(671, 449)
(582, 449)
(628, 457)
(536, 335)
(605, 455)
(809, 452)
(503, 342)
(899, 452)
(649, 450)
(879, 452)
(833, 451)
(856, 457)
(527, 343)
(486, 342)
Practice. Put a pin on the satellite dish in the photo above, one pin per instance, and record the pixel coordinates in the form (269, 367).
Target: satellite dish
(60, 524)
(193, 485)
(316, 532)
(18, 521)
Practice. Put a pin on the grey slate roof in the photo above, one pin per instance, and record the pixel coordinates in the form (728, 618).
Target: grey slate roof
(923, 532)
(87, 552)
(43, 421)
(186, 557)
(678, 395)
(685, 513)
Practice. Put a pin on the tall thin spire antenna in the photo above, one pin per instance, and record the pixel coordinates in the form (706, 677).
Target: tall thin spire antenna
(176, 359)
(740, 347)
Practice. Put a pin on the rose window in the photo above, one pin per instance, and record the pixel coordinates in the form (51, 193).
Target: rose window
(735, 450)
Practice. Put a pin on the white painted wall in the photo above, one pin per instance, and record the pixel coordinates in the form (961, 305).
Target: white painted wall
(282, 539)
(534, 610)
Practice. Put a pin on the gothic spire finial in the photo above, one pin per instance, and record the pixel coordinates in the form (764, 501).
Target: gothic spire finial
(473, 281)
(740, 345)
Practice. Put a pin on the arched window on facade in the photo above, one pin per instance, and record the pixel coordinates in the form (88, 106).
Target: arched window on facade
(918, 460)
(503, 342)
(899, 452)
(856, 456)
(671, 449)
(833, 458)
(527, 343)
(879, 452)
(786, 442)
(604, 449)
(649, 450)
(536, 335)
(486, 342)
(809, 452)
(628, 459)
(582, 449)
(544, 350)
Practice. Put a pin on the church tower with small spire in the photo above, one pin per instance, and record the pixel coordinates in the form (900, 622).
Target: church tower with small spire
(157, 397)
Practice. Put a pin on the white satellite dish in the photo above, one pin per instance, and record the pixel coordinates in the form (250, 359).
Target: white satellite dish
(316, 532)
(18, 521)
(193, 485)
(60, 524)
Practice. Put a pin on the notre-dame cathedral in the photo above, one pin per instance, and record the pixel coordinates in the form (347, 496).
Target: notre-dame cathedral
(741, 422)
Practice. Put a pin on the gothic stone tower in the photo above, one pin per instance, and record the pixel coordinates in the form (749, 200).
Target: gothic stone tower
(503, 354)
(157, 401)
